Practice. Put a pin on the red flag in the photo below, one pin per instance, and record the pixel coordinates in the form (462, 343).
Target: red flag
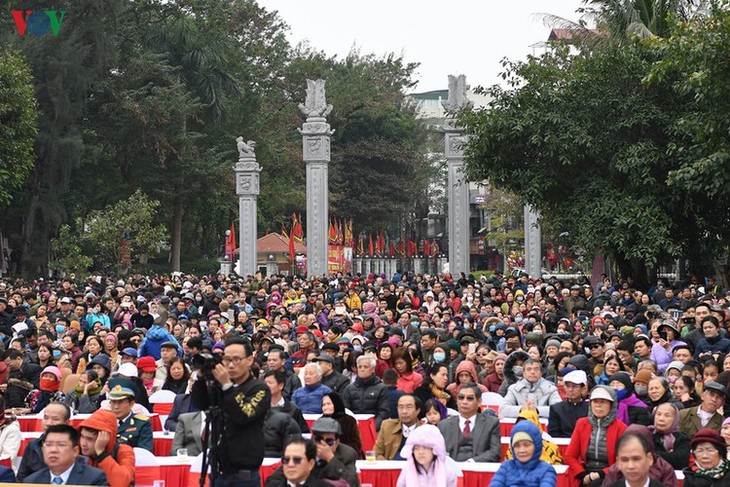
(292, 253)
(426, 247)
(231, 242)
(349, 242)
(332, 234)
(391, 249)
(296, 228)
(361, 244)
(370, 246)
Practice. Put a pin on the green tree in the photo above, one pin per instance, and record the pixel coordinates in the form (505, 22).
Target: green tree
(132, 220)
(694, 61)
(18, 123)
(69, 257)
(583, 140)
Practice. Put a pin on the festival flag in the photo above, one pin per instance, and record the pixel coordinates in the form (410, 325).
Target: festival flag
(284, 232)
(391, 250)
(412, 248)
(340, 232)
(361, 244)
(231, 242)
(292, 252)
(370, 245)
(348, 234)
(435, 250)
(426, 247)
(333, 233)
(401, 248)
(296, 228)
(381, 243)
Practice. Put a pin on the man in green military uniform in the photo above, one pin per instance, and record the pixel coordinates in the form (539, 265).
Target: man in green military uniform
(134, 429)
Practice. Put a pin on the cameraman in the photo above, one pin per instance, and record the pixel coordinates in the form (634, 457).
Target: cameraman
(244, 402)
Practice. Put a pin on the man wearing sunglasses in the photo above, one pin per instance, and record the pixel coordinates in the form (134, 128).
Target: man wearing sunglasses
(298, 462)
(471, 436)
(334, 460)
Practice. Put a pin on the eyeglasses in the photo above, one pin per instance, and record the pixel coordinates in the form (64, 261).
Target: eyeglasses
(329, 441)
(705, 451)
(228, 360)
(465, 398)
(294, 460)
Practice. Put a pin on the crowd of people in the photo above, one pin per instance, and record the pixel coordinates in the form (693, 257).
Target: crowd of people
(636, 379)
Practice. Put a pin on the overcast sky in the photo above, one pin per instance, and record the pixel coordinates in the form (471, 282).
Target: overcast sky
(445, 36)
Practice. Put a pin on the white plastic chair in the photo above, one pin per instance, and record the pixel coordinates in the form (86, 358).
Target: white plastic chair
(492, 399)
(144, 458)
(162, 396)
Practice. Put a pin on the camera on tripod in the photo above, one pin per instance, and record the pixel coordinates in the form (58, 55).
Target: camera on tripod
(205, 363)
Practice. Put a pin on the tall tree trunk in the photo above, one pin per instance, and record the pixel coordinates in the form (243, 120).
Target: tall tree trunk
(28, 230)
(177, 219)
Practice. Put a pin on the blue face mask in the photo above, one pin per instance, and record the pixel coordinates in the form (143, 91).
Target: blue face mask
(518, 319)
(622, 394)
(358, 348)
(492, 328)
(56, 353)
(439, 356)
(60, 329)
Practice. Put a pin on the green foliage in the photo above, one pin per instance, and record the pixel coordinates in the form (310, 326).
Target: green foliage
(583, 140)
(69, 256)
(18, 123)
(135, 218)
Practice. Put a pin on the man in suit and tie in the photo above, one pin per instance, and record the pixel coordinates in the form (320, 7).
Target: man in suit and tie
(471, 435)
(691, 420)
(60, 452)
(189, 433)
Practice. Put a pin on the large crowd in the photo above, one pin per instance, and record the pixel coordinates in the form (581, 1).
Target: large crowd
(638, 380)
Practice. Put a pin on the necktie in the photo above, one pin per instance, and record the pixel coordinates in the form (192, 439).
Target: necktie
(467, 429)
(57, 481)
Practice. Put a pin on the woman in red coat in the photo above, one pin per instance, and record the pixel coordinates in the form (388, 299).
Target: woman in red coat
(592, 447)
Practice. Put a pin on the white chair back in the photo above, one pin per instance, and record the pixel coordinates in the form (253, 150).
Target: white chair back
(144, 458)
(492, 399)
(162, 396)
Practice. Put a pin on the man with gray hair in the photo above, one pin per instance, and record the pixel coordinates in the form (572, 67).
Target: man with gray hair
(532, 393)
(309, 397)
(368, 394)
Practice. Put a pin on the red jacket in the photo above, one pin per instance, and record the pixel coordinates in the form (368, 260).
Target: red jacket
(119, 467)
(575, 455)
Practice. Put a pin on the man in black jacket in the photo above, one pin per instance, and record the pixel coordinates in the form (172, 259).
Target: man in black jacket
(330, 377)
(244, 402)
(22, 378)
(565, 414)
(275, 380)
(276, 361)
(368, 394)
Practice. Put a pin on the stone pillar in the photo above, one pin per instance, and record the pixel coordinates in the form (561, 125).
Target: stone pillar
(457, 188)
(247, 188)
(533, 243)
(316, 154)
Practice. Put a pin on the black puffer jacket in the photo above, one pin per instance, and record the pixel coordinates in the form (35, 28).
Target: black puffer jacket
(277, 428)
(369, 396)
(509, 375)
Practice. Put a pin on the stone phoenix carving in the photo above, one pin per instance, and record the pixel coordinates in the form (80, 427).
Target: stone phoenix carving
(315, 105)
(457, 94)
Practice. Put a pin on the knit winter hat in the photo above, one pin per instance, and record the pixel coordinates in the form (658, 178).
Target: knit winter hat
(710, 436)
(643, 377)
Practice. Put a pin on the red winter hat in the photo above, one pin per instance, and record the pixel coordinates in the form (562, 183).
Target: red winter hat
(357, 327)
(146, 364)
(302, 329)
(317, 333)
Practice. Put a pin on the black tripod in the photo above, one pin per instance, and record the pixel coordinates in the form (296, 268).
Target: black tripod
(211, 433)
